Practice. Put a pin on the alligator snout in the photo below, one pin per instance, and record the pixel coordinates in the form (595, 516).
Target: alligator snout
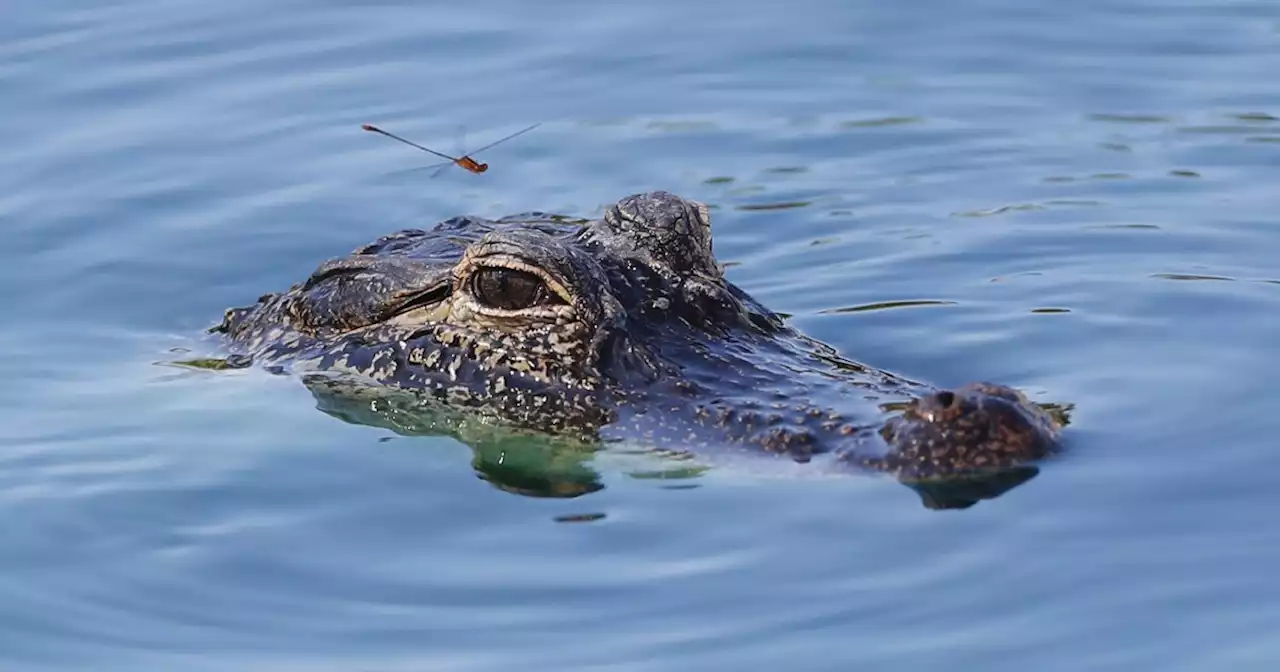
(976, 427)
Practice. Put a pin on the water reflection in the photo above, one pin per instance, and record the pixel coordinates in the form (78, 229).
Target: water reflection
(532, 464)
(515, 461)
(964, 492)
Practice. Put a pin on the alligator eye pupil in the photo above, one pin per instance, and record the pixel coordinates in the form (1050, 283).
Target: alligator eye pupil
(508, 289)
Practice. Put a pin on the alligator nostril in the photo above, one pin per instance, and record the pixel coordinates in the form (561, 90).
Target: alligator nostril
(945, 398)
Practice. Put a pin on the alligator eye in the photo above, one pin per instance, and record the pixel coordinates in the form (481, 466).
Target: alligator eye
(510, 289)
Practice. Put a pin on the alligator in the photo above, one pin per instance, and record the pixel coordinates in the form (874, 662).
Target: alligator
(625, 328)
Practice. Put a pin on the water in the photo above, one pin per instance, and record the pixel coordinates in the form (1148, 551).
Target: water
(1081, 195)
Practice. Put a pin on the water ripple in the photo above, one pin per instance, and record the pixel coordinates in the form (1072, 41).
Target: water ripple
(1089, 191)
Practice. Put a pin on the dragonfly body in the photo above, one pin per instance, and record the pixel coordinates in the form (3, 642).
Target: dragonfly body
(465, 161)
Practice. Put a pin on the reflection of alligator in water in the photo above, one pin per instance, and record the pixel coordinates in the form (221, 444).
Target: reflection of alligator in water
(624, 328)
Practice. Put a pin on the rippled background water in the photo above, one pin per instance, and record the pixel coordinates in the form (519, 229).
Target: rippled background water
(1082, 196)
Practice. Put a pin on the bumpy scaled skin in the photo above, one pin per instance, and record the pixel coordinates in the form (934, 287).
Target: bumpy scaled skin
(622, 328)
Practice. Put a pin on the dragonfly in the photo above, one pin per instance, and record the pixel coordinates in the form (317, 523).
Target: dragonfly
(464, 161)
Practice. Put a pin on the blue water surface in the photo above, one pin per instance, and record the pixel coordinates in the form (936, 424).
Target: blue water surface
(1078, 199)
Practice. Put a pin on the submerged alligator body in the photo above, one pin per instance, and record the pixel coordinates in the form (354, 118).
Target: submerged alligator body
(625, 328)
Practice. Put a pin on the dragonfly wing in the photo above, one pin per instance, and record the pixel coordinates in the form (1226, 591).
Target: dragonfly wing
(438, 167)
(374, 129)
(523, 130)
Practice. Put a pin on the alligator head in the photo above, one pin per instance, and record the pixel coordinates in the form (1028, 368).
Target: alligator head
(625, 328)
